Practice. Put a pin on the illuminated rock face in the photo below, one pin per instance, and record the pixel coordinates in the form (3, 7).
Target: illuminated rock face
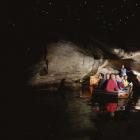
(127, 55)
(67, 60)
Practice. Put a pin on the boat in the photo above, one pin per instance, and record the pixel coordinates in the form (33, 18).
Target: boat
(124, 94)
(89, 90)
(103, 93)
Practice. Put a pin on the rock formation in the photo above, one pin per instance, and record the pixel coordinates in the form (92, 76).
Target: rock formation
(73, 62)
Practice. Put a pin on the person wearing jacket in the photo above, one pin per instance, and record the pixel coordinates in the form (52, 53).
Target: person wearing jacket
(112, 84)
(119, 81)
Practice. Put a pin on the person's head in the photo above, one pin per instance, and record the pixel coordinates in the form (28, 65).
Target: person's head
(113, 76)
(125, 77)
(123, 66)
(101, 76)
(122, 77)
(107, 76)
(117, 76)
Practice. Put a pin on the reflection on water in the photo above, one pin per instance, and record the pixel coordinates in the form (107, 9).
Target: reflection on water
(75, 118)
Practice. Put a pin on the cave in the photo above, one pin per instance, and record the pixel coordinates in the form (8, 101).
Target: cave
(48, 63)
(74, 60)
(56, 48)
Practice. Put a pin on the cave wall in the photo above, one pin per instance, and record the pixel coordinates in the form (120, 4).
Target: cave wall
(70, 61)
(66, 58)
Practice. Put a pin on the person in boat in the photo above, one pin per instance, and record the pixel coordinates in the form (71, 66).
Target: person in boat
(112, 84)
(119, 82)
(123, 71)
(94, 80)
(125, 81)
(126, 85)
(101, 81)
(106, 80)
(107, 76)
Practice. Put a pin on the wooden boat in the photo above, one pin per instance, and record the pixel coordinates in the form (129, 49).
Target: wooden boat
(89, 90)
(103, 93)
(125, 94)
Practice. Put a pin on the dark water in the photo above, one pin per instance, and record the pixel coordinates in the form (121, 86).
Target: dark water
(53, 116)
